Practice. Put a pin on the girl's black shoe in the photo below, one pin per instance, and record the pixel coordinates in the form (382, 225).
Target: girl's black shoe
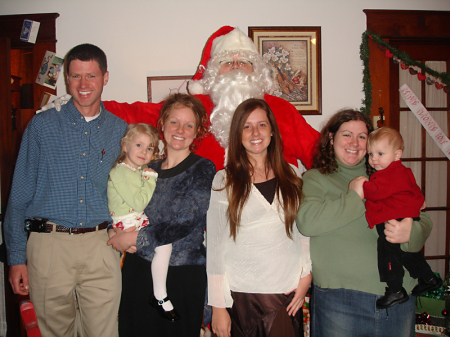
(171, 315)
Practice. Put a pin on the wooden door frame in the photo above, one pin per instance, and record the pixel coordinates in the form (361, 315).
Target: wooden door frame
(5, 118)
(402, 27)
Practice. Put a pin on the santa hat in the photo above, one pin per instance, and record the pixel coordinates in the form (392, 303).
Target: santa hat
(226, 38)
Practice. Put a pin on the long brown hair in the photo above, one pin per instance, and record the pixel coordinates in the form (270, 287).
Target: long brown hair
(324, 159)
(239, 169)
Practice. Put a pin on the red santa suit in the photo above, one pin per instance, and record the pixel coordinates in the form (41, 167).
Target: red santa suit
(299, 138)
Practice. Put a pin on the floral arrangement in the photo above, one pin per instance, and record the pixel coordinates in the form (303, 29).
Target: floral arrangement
(289, 84)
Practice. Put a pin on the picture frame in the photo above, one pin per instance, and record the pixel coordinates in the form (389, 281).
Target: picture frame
(159, 87)
(294, 56)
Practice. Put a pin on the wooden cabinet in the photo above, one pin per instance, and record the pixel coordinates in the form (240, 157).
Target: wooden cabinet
(19, 65)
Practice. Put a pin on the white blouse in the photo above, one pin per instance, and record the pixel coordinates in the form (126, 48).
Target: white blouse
(262, 259)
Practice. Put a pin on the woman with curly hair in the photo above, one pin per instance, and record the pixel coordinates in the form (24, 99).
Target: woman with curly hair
(343, 248)
(176, 215)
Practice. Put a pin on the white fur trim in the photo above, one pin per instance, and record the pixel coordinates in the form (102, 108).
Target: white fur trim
(234, 40)
(195, 88)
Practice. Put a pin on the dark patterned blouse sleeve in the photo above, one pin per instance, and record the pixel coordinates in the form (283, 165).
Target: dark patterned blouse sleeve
(185, 203)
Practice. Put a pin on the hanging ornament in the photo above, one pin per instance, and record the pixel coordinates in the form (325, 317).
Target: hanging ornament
(423, 318)
(406, 62)
(421, 76)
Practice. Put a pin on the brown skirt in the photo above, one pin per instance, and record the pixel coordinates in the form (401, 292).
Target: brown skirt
(264, 315)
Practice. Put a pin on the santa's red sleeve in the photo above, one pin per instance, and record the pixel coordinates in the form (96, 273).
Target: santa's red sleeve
(299, 138)
(138, 112)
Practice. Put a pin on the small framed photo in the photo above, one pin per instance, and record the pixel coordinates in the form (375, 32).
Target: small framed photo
(49, 70)
(159, 87)
(294, 56)
(29, 31)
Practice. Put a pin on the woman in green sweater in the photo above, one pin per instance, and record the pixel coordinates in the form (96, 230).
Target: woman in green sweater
(343, 248)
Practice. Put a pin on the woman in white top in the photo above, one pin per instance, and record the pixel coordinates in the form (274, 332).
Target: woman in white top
(258, 264)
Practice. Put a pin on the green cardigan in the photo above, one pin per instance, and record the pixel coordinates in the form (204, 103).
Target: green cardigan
(343, 248)
(128, 190)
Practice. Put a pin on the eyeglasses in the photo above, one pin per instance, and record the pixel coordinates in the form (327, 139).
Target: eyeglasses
(238, 63)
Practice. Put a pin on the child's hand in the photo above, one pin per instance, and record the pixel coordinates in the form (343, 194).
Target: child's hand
(357, 185)
(424, 205)
(147, 169)
(132, 250)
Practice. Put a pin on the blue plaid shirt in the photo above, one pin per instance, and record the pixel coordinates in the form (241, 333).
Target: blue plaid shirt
(62, 173)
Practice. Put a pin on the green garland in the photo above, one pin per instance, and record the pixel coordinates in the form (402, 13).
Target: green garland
(404, 57)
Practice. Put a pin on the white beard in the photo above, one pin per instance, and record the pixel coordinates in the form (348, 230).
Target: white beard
(228, 91)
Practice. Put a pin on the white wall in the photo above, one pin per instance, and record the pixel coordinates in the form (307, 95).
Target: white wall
(155, 38)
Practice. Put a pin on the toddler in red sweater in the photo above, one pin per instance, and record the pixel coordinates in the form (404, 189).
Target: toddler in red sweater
(392, 193)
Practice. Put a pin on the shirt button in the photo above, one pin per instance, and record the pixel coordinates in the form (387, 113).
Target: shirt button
(85, 132)
(81, 200)
(82, 117)
(82, 177)
(81, 224)
(84, 154)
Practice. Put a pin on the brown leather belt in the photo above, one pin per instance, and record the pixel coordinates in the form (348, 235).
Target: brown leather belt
(61, 229)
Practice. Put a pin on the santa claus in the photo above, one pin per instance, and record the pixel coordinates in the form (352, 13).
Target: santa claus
(231, 71)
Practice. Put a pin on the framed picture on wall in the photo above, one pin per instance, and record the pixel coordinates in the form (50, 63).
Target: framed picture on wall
(159, 87)
(294, 56)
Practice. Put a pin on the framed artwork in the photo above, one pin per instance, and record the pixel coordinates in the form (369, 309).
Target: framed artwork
(159, 87)
(294, 56)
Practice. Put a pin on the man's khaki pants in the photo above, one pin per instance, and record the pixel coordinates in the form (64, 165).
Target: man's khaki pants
(64, 268)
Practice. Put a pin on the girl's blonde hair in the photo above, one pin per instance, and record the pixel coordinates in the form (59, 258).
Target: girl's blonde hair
(134, 129)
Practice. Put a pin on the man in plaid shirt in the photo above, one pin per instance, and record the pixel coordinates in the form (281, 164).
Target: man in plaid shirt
(60, 182)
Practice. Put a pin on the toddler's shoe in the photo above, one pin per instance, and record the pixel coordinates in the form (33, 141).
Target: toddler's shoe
(390, 298)
(426, 286)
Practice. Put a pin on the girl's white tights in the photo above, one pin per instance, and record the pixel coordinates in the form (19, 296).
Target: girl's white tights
(160, 266)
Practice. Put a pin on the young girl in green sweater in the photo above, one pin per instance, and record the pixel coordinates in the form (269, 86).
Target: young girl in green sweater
(130, 187)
